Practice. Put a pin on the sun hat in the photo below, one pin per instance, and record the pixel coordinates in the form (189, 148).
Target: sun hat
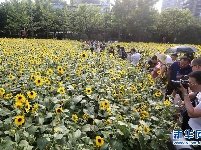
(169, 60)
(162, 58)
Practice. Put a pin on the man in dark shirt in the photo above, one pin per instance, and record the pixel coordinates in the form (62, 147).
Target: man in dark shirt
(150, 64)
(177, 71)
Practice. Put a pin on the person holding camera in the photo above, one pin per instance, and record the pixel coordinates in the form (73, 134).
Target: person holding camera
(176, 72)
(194, 96)
(193, 112)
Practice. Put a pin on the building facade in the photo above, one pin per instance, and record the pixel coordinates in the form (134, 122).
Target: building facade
(193, 5)
(170, 4)
(101, 3)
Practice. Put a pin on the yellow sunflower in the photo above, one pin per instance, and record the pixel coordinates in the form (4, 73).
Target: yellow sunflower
(146, 130)
(134, 89)
(27, 106)
(158, 94)
(109, 111)
(83, 55)
(61, 90)
(75, 118)
(151, 82)
(19, 120)
(60, 70)
(20, 98)
(166, 102)
(99, 141)
(88, 91)
(49, 72)
(32, 77)
(85, 116)
(59, 110)
(123, 71)
(108, 121)
(31, 94)
(114, 93)
(38, 81)
(2, 92)
(106, 104)
(158, 107)
(18, 105)
(144, 114)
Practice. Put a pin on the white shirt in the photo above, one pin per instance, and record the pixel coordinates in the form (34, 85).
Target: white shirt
(169, 60)
(195, 123)
(135, 58)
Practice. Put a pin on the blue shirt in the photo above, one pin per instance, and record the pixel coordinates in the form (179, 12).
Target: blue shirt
(182, 71)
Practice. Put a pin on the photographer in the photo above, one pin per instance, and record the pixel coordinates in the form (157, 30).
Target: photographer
(196, 66)
(176, 72)
(193, 112)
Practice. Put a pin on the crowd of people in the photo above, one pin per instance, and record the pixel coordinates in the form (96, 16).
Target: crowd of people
(183, 78)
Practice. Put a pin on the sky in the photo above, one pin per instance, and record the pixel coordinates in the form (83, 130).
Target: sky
(158, 5)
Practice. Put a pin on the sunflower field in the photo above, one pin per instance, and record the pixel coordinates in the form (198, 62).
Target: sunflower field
(54, 95)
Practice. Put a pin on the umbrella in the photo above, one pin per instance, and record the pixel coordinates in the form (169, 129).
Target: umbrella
(181, 49)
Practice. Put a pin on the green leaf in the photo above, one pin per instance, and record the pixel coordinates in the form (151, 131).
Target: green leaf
(41, 120)
(58, 136)
(32, 130)
(41, 143)
(154, 118)
(89, 111)
(104, 146)
(23, 143)
(8, 121)
(49, 115)
(17, 137)
(117, 145)
(8, 145)
(78, 99)
(86, 127)
(122, 123)
(98, 122)
(159, 133)
(28, 123)
(141, 141)
(26, 134)
(119, 131)
(77, 134)
(55, 100)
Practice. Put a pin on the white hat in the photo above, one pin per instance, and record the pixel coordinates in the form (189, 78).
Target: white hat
(162, 58)
(169, 60)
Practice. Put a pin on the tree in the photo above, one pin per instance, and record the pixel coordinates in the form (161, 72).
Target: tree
(88, 20)
(133, 17)
(17, 16)
(172, 21)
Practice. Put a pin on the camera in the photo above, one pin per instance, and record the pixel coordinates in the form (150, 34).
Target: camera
(184, 82)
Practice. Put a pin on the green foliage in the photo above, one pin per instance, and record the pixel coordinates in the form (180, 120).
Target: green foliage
(126, 20)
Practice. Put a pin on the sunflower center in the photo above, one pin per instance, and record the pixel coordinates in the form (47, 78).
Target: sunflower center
(20, 97)
(32, 93)
(83, 55)
(59, 69)
(99, 140)
(59, 110)
(39, 81)
(19, 119)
